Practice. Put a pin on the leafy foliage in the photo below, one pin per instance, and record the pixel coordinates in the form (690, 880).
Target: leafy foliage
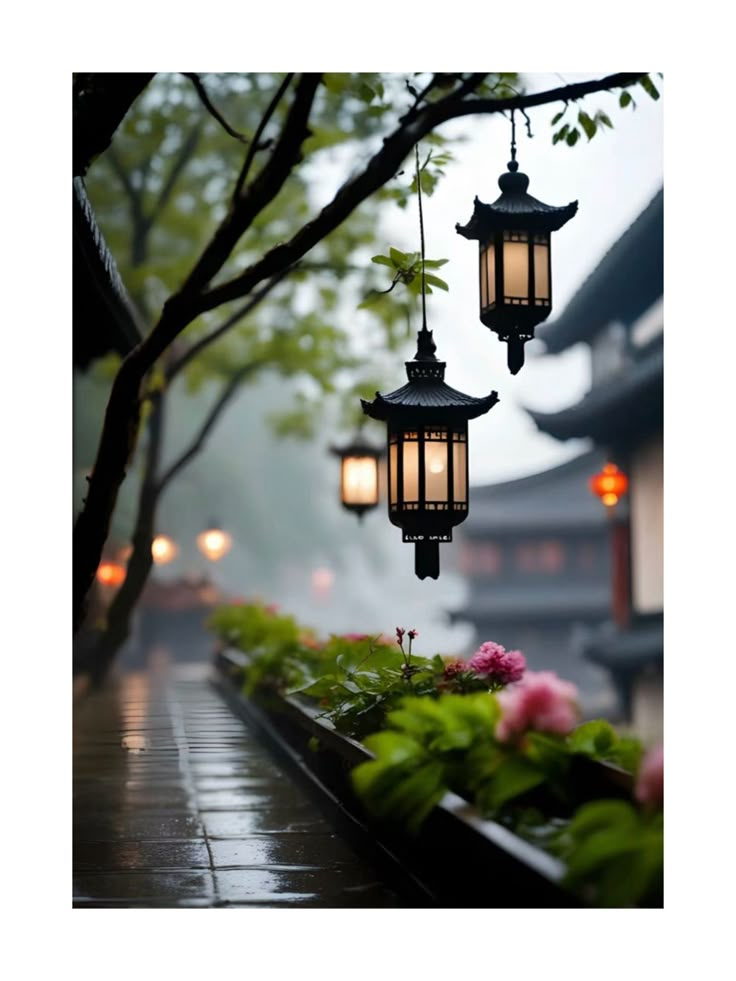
(614, 853)
(432, 731)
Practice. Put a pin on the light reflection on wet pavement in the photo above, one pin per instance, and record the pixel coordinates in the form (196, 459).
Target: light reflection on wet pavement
(176, 804)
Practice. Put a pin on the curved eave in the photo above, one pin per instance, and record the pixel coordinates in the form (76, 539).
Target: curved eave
(104, 318)
(531, 215)
(627, 280)
(629, 404)
(627, 650)
(429, 402)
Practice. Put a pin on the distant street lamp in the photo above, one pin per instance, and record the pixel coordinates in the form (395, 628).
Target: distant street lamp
(110, 573)
(609, 485)
(163, 549)
(358, 474)
(427, 427)
(515, 258)
(213, 542)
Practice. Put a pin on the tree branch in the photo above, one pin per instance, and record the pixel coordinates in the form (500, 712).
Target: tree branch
(183, 360)
(261, 192)
(182, 159)
(205, 100)
(381, 168)
(226, 395)
(271, 108)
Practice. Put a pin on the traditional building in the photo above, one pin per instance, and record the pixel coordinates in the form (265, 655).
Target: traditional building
(618, 313)
(535, 552)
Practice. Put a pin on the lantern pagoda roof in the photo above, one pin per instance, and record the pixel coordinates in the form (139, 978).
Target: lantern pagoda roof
(358, 446)
(515, 208)
(427, 397)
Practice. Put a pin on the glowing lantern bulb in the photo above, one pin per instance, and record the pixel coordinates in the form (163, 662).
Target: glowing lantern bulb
(214, 543)
(163, 549)
(110, 573)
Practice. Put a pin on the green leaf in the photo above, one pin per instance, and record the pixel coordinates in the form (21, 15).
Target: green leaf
(436, 281)
(365, 92)
(625, 99)
(398, 258)
(382, 260)
(592, 738)
(515, 776)
(558, 117)
(649, 87)
(603, 118)
(434, 263)
(589, 126)
(572, 137)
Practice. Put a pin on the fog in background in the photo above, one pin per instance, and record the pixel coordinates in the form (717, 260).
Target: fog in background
(279, 498)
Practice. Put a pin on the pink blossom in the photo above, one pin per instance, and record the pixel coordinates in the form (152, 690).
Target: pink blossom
(413, 634)
(650, 781)
(542, 701)
(354, 636)
(272, 608)
(400, 633)
(502, 667)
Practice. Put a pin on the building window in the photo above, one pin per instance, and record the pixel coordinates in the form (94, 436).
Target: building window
(481, 559)
(546, 557)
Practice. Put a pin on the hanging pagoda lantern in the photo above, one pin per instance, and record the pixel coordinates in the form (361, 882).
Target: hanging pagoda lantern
(610, 485)
(213, 542)
(358, 474)
(427, 427)
(514, 234)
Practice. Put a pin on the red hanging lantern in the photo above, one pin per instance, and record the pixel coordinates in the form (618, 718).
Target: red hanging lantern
(609, 485)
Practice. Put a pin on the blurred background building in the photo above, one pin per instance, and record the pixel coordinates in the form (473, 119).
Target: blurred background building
(618, 314)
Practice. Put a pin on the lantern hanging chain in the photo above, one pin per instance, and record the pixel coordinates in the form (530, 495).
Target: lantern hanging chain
(513, 136)
(421, 236)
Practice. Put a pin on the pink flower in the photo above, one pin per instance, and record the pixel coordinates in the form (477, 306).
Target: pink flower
(650, 780)
(413, 634)
(400, 634)
(540, 701)
(355, 636)
(502, 667)
(272, 608)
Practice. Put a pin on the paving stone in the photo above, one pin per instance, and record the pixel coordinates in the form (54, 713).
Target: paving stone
(176, 804)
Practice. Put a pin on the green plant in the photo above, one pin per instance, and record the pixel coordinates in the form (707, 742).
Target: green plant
(275, 643)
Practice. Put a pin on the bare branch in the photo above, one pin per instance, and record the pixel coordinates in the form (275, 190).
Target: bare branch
(205, 99)
(231, 321)
(271, 108)
(226, 395)
(382, 166)
(182, 159)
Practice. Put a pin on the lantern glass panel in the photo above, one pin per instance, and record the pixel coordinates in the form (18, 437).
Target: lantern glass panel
(459, 469)
(516, 267)
(411, 468)
(541, 271)
(393, 456)
(435, 467)
(359, 480)
(487, 275)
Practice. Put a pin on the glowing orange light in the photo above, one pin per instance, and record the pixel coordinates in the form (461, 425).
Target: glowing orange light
(214, 543)
(163, 549)
(110, 573)
(610, 484)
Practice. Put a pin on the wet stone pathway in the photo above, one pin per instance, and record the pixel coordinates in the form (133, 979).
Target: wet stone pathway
(176, 804)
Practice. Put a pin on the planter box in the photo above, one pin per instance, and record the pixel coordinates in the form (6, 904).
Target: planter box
(458, 859)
